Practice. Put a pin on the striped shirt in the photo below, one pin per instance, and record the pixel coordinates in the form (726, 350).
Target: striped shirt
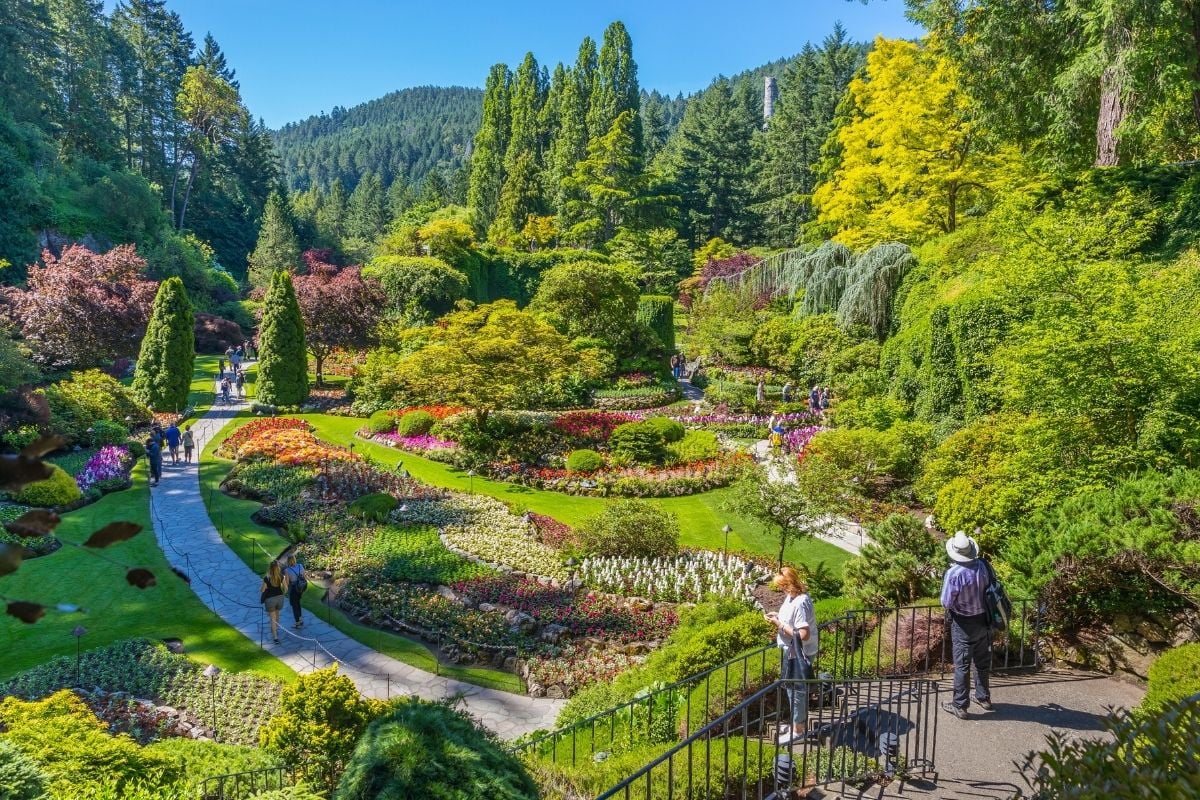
(963, 588)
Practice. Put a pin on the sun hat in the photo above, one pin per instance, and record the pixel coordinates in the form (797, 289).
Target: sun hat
(962, 548)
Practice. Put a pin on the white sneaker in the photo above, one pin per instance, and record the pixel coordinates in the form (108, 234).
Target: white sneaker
(788, 737)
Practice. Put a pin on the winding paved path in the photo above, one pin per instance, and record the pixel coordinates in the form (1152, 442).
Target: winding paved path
(230, 588)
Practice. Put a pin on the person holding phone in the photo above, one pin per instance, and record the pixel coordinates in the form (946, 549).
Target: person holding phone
(796, 634)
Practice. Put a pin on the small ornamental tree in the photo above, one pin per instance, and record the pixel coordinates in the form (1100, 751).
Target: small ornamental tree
(339, 308)
(282, 362)
(164, 368)
(321, 717)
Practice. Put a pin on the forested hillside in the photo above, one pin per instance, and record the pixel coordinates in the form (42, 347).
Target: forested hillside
(400, 136)
(120, 129)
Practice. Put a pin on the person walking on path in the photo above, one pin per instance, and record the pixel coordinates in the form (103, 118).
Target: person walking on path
(274, 588)
(189, 443)
(796, 634)
(154, 459)
(246, 349)
(220, 368)
(235, 359)
(225, 390)
(962, 596)
(241, 383)
(171, 434)
(297, 584)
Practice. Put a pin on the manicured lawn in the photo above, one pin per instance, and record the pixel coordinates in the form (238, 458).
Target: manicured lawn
(116, 610)
(701, 517)
(256, 545)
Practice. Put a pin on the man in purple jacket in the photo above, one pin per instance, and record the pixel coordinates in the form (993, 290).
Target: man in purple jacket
(962, 596)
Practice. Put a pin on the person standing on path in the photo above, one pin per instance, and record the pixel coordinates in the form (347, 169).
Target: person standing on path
(814, 399)
(274, 588)
(760, 392)
(154, 459)
(220, 368)
(786, 393)
(189, 443)
(297, 584)
(241, 384)
(171, 435)
(235, 359)
(796, 634)
(962, 596)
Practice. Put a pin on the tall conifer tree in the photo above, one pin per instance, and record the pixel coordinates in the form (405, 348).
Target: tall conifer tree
(615, 85)
(163, 376)
(282, 356)
(277, 247)
(491, 144)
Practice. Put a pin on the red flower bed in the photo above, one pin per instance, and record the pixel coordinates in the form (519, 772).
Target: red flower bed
(551, 532)
(590, 426)
(257, 427)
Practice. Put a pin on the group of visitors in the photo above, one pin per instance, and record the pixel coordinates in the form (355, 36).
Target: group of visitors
(285, 578)
(963, 597)
(818, 398)
(677, 364)
(172, 438)
(233, 384)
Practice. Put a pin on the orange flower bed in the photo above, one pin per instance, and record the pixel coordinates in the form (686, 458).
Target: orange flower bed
(284, 441)
(437, 412)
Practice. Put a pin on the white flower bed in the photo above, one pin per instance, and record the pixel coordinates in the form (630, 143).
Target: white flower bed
(484, 528)
(690, 577)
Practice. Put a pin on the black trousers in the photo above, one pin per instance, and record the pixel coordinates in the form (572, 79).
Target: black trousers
(972, 641)
(294, 599)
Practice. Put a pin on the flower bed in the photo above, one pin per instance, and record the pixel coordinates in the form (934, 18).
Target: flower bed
(258, 427)
(426, 445)
(590, 427)
(550, 531)
(691, 577)
(107, 470)
(794, 441)
(632, 398)
(484, 528)
(573, 667)
(420, 609)
(649, 481)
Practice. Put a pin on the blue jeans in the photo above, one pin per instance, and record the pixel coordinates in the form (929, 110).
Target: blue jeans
(799, 669)
(972, 641)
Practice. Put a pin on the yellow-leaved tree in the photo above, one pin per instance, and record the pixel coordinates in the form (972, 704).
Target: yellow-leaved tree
(907, 158)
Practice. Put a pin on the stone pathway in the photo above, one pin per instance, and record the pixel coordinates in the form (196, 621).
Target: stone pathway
(230, 588)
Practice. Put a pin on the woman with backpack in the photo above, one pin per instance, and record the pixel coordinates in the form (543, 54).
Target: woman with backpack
(274, 588)
(796, 634)
(297, 585)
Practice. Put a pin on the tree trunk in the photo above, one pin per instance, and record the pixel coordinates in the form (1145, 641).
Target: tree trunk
(1112, 97)
(187, 192)
(320, 361)
(1194, 26)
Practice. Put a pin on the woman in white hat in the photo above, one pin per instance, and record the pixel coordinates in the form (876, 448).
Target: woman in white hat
(963, 598)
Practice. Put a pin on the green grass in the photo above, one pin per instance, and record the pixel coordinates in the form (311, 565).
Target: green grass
(114, 609)
(204, 381)
(701, 517)
(256, 545)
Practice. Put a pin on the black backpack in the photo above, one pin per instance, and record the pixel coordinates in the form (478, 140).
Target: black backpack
(995, 601)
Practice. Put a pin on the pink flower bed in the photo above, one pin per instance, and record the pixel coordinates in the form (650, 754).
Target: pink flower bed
(417, 443)
(109, 463)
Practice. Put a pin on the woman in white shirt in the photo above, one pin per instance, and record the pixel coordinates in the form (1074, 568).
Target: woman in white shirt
(796, 634)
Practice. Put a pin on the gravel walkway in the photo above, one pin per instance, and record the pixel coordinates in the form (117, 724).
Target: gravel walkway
(230, 588)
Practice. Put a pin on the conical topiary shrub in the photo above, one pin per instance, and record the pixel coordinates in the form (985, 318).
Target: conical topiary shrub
(282, 358)
(164, 368)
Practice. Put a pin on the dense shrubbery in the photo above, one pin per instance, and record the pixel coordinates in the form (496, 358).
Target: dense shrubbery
(630, 528)
(86, 397)
(584, 460)
(1174, 676)
(59, 489)
(415, 423)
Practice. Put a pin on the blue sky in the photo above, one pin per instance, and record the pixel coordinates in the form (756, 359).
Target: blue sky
(300, 57)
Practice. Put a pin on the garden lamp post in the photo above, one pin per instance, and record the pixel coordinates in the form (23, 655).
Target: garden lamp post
(211, 672)
(471, 475)
(78, 633)
(727, 529)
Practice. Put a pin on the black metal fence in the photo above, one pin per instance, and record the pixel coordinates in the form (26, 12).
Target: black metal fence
(861, 733)
(907, 641)
(241, 785)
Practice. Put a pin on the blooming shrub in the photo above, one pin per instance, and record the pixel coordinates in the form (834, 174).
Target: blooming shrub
(108, 467)
(690, 577)
(551, 532)
(294, 447)
(794, 441)
(424, 444)
(343, 481)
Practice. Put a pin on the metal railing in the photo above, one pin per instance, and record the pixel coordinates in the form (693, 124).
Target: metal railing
(862, 643)
(241, 785)
(862, 732)
(915, 640)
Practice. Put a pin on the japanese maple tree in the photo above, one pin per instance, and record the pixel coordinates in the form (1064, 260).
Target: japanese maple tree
(340, 307)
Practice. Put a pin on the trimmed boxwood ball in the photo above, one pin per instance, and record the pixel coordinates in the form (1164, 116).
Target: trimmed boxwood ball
(59, 489)
(584, 460)
(382, 422)
(374, 506)
(670, 430)
(426, 749)
(639, 442)
(415, 423)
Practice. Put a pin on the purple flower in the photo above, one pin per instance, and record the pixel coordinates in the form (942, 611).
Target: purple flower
(108, 463)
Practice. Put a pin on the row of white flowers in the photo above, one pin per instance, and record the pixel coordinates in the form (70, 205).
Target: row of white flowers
(689, 577)
(484, 527)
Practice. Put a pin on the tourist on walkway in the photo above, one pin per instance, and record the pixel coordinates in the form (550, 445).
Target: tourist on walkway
(676, 365)
(154, 459)
(241, 384)
(796, 635)
(171, 434)
(274, 588)
(248, 351)
(225, 389)
(760, 392)
(814, 399)
(786, 393)
(235, 359)
(189, 442)
(220, 368)
(962, 596)
(297, 584)
(824, 399)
